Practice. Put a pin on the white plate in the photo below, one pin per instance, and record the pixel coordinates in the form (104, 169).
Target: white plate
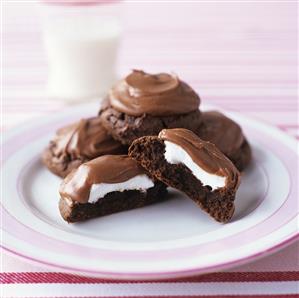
(169, 239)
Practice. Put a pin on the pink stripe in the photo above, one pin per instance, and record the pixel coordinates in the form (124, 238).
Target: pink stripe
(237, 100)
(249, 108)
(289, 125)
(21, 81)
(232, 105)
(188, 296)
(182, 29)
(57, 277)
(132, 57)
(179, 44)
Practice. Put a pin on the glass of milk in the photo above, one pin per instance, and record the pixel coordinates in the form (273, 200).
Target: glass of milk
(81, 41)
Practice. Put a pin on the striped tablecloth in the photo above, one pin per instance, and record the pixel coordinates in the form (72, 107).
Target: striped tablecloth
(240, 55)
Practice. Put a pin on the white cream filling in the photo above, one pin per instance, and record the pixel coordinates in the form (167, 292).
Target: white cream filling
(175, 154)
(140, 182)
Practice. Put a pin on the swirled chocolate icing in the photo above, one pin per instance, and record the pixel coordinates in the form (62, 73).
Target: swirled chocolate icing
(104, 169)
(154, 94)
(86, 138)
(205, 154)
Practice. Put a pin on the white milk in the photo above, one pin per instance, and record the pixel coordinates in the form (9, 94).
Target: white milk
(81, 56)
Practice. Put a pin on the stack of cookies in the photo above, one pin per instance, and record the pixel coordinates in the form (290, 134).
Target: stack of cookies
(149, 135)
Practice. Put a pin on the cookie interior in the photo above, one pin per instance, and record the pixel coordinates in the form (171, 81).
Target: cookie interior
(149, 152)
(113, 202)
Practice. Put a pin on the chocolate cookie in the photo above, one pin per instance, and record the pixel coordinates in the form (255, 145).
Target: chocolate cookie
(182, 160)
(227, 135)
(105, 185)
(144, 104)
(77, 143)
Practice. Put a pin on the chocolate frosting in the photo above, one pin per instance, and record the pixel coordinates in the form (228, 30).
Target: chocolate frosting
(205, 154)
(157, 95)
(220, 130)
(104, 169)
(85, 139)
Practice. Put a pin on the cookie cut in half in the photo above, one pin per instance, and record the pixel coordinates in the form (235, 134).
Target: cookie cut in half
(106, 185)
(180, 159)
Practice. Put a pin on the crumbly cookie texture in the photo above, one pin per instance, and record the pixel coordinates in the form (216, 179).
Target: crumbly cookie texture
(218, 203)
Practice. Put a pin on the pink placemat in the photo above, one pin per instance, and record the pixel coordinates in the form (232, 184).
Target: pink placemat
(239, 55)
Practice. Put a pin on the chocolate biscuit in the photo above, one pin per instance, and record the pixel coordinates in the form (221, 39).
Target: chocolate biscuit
(208, 165)
(126, 128)
(143, 104)
(105, 185)
(77, 143)
(112, 203)
(227, 135)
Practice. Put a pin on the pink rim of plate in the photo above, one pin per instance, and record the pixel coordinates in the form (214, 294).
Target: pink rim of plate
(154, 276)
(147, 274)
